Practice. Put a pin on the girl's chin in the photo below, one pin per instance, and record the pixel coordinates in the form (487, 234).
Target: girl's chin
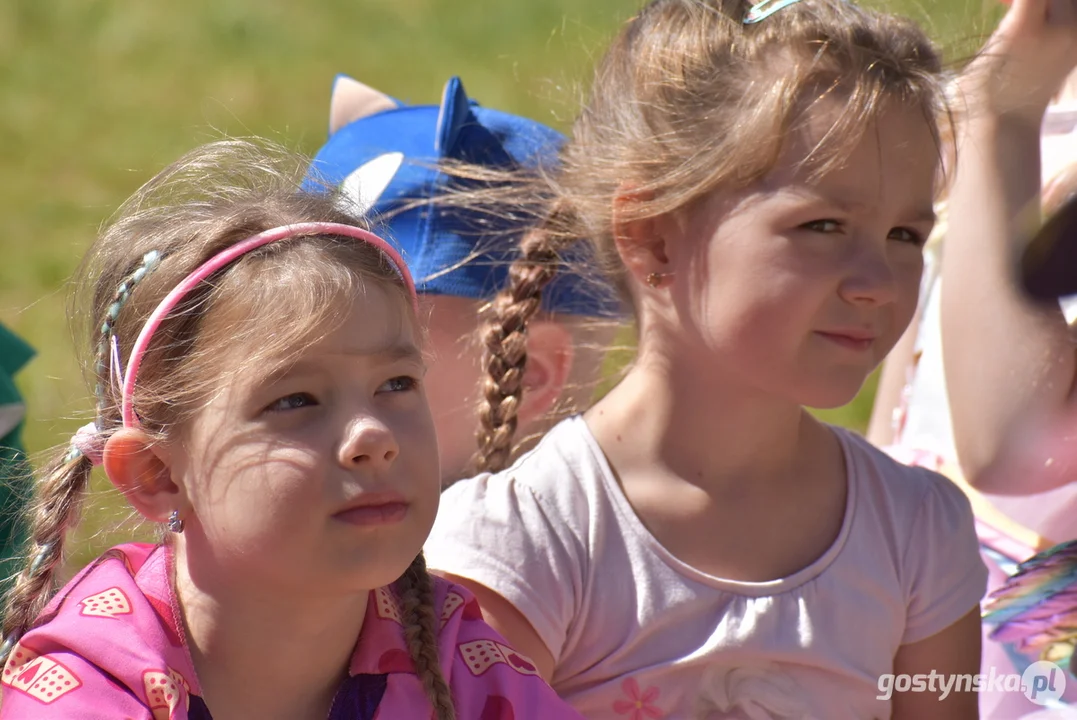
(833, 398)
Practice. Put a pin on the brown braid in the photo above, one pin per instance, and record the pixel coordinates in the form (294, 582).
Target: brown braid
(420, 623)
(505, 341)
(55, 510)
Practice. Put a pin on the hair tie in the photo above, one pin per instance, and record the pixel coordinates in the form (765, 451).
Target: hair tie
(88, 443)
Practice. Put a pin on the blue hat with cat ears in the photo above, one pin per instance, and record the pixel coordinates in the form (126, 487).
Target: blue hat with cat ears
(383, 154)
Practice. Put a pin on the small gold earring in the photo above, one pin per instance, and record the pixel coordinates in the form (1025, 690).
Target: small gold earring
(654, 279)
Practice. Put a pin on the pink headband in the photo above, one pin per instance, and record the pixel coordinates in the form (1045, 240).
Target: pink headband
(223, 258)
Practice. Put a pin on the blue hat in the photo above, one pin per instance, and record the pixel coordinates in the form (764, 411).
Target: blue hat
(383, 154)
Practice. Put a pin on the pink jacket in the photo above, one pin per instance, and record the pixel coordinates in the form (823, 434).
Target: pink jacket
(113, 647)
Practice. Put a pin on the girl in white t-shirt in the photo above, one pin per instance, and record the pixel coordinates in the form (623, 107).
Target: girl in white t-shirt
(759, 181)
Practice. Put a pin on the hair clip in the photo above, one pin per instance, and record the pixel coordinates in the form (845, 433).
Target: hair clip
(108, 358)
(115, 369)
(766, 8)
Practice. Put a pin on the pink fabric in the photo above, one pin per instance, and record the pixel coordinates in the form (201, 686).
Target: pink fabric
(114, 648)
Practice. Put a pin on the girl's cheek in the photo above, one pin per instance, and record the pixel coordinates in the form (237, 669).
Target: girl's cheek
(910, 277)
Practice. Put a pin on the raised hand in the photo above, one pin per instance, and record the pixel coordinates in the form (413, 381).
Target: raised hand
(1024, 63)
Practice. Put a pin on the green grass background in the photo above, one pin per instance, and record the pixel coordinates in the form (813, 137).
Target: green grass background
(97, 95)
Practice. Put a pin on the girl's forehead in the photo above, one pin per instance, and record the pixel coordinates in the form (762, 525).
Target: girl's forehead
(821, 150)
(255, 337)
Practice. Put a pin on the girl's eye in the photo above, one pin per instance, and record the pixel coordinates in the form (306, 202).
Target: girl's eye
(823, 226)
(907, 235)
(399, 384)
(292, 402)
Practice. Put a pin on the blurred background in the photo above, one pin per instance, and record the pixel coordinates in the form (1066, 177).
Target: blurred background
(98, 95)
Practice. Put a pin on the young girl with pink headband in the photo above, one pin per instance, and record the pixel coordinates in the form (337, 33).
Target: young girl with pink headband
(259, 383)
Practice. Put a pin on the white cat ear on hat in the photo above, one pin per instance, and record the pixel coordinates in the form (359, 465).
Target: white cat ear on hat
(351, 101)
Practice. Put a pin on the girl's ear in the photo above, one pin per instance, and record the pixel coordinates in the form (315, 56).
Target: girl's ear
(140, 469)
(549, 363)
(640, 242)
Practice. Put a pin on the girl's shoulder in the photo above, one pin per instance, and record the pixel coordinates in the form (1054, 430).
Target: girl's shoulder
(107, 645)
(536, 511)
(906, 485)
(564, 467)
(924, 524)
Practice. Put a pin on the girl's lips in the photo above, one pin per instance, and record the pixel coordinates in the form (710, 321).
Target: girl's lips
(856, 342)
(384, 513)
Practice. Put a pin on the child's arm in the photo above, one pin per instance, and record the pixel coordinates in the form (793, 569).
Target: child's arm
(1008, 362)
(948, 654)
(944, 580)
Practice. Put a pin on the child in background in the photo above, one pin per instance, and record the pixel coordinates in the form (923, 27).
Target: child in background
(759, 180)
(995, 201)
(1035, 611)
(984, 365)
(398, 163)
(260, 389)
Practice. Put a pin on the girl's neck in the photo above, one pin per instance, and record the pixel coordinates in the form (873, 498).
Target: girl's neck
(265, 656)
(701, 425)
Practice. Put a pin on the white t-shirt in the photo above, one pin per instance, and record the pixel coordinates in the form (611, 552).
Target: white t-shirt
(631, 627)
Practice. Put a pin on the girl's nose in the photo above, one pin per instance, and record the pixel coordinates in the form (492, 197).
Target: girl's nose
(368, 443)
(871, 280)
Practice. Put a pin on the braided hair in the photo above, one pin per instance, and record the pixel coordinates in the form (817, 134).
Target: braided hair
(690, 98)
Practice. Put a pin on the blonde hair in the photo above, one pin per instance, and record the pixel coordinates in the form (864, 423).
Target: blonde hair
(687, 99)
(273, 300)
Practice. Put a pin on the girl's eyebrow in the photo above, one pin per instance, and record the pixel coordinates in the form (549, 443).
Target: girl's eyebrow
(383, 355)
(922, 215)
(377, 356)
(390, 353)
(926, 216)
